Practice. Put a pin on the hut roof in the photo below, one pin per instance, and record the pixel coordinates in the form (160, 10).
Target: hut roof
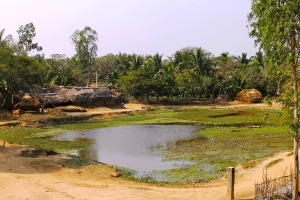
(77, 94)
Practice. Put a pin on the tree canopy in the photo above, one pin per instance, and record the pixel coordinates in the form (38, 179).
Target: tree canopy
(190, 74)
(85, 42)
(26, 35)
(275, 25)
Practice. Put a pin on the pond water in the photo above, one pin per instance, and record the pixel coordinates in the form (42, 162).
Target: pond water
(133, 146)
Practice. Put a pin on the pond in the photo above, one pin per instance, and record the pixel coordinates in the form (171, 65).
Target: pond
(134, 146)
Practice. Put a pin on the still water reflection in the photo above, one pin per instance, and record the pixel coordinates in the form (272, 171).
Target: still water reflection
(129, 146)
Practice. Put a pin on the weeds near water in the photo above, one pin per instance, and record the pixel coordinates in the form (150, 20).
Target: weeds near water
(75, 162)
(127, 172)
(33, 137)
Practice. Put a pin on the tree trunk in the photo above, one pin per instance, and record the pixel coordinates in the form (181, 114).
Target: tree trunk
(296, 137)
(296, 169)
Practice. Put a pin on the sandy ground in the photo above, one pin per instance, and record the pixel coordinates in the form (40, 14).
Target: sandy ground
(43, 178)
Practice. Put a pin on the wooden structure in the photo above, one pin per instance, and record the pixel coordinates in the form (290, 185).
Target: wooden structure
(230, 183)
(280, 188)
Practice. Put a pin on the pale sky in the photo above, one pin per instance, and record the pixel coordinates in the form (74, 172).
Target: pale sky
(134, 26)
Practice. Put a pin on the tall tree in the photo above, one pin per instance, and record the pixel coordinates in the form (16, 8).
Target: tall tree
(26, 35)
(275, 25)
(223, 73)
(85, 42)
(167, 74)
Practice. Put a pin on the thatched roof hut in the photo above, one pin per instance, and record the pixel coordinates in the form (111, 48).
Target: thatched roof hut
(78, 95)
(249, 96)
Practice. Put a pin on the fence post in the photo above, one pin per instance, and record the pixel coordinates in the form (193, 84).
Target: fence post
(230, 184)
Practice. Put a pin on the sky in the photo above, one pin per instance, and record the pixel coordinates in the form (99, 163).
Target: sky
(143, 27)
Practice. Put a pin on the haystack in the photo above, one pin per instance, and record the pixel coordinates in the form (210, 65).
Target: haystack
(28, 104)
(249, 96)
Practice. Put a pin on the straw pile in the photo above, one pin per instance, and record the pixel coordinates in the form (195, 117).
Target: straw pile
(28, 104)
(250, 96)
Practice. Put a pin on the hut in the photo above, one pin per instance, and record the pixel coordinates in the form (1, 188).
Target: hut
(79, 96)
(249, 96)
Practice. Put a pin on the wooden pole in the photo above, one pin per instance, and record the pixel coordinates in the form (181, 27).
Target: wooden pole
(230, 185)
(12, 103)
(96, 80)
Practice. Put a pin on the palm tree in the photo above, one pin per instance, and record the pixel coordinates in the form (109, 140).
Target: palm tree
(242, 59)
(4, 40)
(135, 61)
(158, 64)
(201, 61)
(223, 72)
(167, 75)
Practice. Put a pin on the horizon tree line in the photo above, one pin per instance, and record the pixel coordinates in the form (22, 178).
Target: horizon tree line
(191, 73)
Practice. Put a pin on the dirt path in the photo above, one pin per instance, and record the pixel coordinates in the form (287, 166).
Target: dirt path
(43, 178)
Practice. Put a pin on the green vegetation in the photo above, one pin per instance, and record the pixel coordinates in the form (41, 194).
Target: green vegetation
(274, 162)
(75, 162)
(33, 138)
(275, 27)
(230, 136)
(251, 163)
(189, 74)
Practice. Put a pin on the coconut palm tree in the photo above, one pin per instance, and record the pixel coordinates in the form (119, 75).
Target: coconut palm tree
(242, 59)
(135, 61)
(201, 61)
(4, 40)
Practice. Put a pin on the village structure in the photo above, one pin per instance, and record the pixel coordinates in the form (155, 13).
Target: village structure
(38, 99)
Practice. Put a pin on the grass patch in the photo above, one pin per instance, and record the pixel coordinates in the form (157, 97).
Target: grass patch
(290, 154)
(273, 162)
(33, 137)
(75, 162)
(251, 163)
(49, 133)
